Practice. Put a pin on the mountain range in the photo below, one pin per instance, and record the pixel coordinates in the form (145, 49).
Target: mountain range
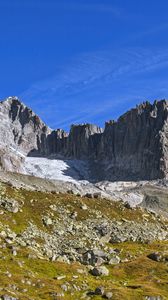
(135, 147)
(83, 215)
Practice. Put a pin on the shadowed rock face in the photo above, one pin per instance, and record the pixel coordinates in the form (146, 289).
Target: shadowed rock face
(136, 145)
(57, 142)
(133, 147)
(79, 141)
(77, 144)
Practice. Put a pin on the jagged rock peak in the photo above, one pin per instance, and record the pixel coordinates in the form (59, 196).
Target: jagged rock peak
(21, 129)
(11, 99)
(17, 108)
(133, 147)
(147, 108)
(86, 127)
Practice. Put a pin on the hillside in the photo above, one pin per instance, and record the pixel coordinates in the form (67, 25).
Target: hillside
(84, 215)
(55, 246)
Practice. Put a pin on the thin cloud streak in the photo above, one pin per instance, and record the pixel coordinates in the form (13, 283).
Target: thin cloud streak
(98, 7)
(66, 6)
(95, 75)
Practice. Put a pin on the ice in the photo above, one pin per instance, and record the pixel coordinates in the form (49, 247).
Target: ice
(64, 170)
(77, 172)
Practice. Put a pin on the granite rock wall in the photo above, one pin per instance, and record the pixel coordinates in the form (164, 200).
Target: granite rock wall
(135, 147)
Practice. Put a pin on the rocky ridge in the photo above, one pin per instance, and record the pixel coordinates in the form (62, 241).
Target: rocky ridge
(21, 130)
(132, 148)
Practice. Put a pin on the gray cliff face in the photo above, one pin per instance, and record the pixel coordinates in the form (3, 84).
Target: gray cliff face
(134, 147)
(21, 131)
(79, 140)
(57, 142)
(77, 144)
(20, 127)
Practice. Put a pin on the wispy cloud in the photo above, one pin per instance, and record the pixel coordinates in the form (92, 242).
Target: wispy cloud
(93, 84)
(67, 5)
(151, 31)
(97, 7)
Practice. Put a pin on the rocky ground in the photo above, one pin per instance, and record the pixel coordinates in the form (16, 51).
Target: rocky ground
(63, 246)
(152, 195)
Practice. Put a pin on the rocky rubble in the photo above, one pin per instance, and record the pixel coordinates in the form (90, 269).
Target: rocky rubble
(96, 245)
(70, 239)
(151, 195)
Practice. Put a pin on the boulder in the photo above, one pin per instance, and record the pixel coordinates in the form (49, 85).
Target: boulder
(94, 257)
(99, 291)
(100, 271)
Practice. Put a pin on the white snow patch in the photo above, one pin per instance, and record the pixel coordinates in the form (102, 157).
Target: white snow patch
(64, 170)
(76, 172)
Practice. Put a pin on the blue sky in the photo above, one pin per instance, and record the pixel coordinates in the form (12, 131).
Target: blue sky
(83, 61)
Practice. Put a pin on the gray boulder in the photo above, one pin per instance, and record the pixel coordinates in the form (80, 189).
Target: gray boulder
(100, 271)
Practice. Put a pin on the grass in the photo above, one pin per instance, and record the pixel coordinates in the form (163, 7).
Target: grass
(131, 280)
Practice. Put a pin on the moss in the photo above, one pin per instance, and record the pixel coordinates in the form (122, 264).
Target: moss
(127, 280)
(130, 280)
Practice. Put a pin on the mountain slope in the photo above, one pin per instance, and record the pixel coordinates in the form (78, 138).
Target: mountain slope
(51, 243)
